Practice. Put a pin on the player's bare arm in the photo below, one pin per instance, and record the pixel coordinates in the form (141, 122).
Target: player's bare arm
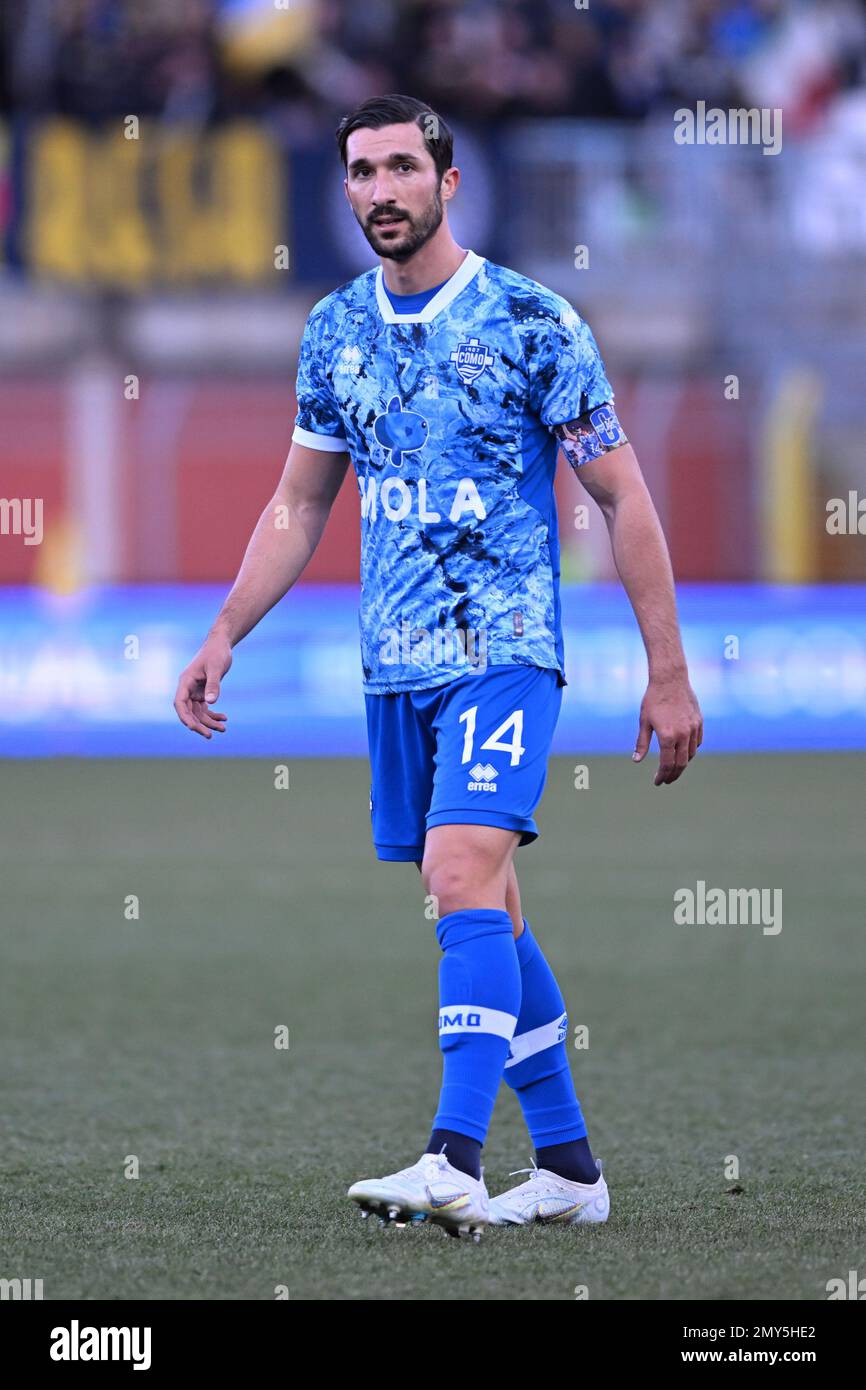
(285, 537)
(669, 708)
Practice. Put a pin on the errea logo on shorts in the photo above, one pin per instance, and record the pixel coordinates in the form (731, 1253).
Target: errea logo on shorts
(481, 778)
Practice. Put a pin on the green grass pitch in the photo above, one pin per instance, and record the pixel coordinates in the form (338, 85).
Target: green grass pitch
(262, 907)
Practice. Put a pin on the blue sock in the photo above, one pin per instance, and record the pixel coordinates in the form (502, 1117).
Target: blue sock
(537, 1070)
(479, 1000)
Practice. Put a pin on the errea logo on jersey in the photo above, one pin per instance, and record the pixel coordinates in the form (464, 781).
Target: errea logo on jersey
(470, 359)
(350, 361)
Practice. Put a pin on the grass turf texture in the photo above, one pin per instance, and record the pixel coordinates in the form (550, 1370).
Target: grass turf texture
(262, 907)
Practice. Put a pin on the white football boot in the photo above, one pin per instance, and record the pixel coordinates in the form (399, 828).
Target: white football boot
(550, 1200)
(432, 1190)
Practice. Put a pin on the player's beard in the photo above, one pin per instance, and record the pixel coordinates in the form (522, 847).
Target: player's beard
(417, 231)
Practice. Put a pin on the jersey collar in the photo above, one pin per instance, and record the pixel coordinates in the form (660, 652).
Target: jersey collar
(466, 271)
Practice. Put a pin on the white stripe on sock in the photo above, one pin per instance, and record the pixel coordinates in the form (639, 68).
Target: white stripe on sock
(471, 1018)
(537, 1039)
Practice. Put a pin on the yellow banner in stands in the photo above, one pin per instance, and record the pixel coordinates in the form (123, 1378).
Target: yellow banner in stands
(144, 204)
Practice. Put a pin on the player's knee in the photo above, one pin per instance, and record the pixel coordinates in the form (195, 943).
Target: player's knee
(449, 884)
(466, 867)
(459, 884)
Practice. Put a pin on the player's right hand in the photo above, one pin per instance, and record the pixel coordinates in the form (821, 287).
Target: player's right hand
(199, 687)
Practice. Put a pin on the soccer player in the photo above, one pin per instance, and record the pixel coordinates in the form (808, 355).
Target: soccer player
(451, 384)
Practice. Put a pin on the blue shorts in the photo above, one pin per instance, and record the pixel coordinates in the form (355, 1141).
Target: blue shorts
(473, 752)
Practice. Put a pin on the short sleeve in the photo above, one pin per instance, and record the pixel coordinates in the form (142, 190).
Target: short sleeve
(318, 423)
(566, 373)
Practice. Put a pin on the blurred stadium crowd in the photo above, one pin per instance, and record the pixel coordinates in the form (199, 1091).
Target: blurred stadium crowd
(477, 59)
(155, 255)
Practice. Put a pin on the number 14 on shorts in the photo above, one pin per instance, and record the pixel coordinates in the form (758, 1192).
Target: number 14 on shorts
(496, 742)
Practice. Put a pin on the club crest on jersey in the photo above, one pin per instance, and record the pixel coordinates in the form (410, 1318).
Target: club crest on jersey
(470, 359)
(400, 431)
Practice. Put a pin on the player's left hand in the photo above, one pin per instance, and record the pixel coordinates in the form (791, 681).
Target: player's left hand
(670, 710)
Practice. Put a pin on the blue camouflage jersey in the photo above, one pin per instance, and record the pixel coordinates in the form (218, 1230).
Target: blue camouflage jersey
(447, 414)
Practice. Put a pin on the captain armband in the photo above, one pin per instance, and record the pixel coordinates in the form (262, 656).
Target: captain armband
(592, 434)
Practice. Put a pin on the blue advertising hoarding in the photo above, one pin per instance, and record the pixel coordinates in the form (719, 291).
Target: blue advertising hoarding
(93, 673)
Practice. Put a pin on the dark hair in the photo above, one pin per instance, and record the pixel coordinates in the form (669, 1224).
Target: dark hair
(397, 110)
